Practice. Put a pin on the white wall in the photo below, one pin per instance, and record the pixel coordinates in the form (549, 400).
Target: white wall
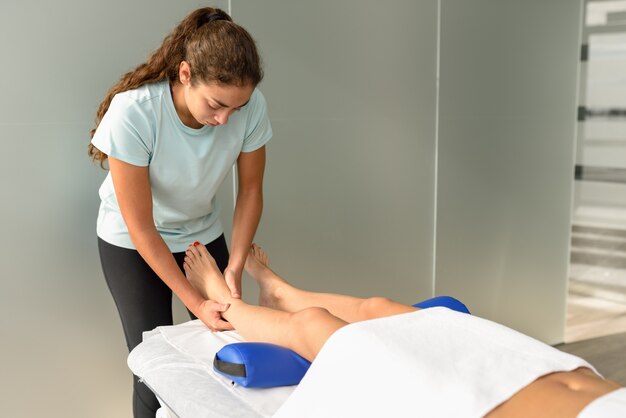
(351, 177)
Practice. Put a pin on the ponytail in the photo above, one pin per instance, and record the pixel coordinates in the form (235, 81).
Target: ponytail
(217, 50)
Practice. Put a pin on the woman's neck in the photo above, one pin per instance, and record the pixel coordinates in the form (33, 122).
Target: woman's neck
(178, 97)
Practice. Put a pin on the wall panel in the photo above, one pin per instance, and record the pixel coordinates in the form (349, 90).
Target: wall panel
(350, 177)
(507, 125)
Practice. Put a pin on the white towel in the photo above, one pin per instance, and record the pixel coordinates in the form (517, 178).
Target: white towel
(432, 363)
(176, 362)
(611, 405)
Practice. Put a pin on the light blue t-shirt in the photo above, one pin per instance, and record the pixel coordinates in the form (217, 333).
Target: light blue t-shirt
(186, 165)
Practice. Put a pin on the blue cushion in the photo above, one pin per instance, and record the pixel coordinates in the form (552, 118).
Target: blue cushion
(262, 365)
(447, 301)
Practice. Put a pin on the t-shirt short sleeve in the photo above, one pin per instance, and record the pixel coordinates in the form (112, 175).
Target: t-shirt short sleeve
(259, 129)
(124, 132)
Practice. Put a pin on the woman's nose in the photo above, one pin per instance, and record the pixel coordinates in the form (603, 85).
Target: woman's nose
(222, 117)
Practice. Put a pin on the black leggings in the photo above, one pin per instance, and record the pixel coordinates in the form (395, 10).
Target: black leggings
(144, 302)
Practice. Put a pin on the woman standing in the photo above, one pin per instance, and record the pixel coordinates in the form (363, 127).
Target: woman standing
(171, 130)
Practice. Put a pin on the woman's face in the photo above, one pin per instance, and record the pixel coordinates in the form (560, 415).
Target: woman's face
(212, 104)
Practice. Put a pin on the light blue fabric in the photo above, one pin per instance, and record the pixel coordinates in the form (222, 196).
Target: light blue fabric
(186, 165)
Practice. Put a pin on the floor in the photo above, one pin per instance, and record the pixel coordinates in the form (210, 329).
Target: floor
(597, 290)
(606, 354)
(596, 308)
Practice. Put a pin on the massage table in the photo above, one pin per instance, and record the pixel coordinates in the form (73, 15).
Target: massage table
(370, 368)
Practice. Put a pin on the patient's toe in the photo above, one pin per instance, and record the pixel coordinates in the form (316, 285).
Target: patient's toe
(261, 255)
(203, 252)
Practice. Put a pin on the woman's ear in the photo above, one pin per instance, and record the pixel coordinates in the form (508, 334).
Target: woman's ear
(184, 73)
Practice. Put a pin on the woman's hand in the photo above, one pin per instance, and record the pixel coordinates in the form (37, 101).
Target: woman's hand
(233, 280)
(210, 312)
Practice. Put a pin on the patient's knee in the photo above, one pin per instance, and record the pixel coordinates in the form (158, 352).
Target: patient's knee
(305, 320)
(310, 316)
(375, 307)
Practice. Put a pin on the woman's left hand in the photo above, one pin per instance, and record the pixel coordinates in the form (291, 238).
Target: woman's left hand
(233, 280)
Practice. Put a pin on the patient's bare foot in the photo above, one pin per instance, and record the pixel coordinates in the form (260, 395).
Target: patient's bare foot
(204, 275)
(270, 284)
(257, 263)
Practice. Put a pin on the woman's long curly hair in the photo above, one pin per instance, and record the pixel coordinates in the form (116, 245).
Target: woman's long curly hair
(217, 50)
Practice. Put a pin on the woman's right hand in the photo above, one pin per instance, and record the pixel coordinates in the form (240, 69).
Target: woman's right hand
(210, 312)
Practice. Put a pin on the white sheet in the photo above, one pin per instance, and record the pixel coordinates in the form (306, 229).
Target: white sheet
(165, 412)
(431, 363)
(176, 362)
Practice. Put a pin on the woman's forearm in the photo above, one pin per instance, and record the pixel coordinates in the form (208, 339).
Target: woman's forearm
(245, 222)
(134, 196)
(250, 167)
(155, 252)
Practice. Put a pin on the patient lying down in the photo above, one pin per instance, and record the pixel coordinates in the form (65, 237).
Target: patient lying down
(563, 386)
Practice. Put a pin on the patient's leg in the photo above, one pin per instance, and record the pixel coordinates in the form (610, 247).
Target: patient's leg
(304, 332)
(276, 292)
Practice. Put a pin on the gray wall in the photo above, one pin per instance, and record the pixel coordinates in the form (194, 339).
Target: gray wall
(350, 176)
(506, 151)
(349, 201)
(63, 351)
(357, 180)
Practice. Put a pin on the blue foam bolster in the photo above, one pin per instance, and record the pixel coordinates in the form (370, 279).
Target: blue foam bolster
(260, 365)
(446, 301)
